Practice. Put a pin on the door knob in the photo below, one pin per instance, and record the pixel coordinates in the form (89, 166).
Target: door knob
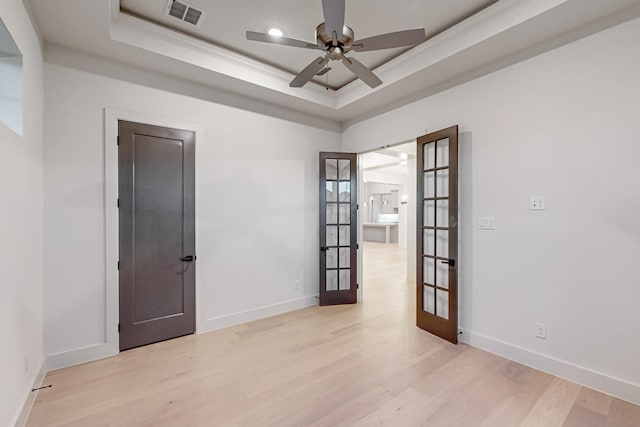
(324, 248)
(188, 258)
(451, 262)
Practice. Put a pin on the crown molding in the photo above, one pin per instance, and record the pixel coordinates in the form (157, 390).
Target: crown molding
(496, 19)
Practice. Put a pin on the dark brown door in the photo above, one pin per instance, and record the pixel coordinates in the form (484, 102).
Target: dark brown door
(338, 228)
(437, 240)
(157, 233)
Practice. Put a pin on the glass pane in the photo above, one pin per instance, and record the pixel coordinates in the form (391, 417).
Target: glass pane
(442, 274)
(332, 258)
(442, 213)
(443, 153)
(442, 183)
(428, 270)
(428, 242)
(332, 194)
(331, 280)
(345, 213)
(345, 170)
(331, 169)
(429, 184)
(345, 235)
(428, 299)
(345, 280)
(345, 257)
(443, 304)
(429, 214)
(345, 191)
(430, 155)
(332, 213)
(442, 243)
(332, 236)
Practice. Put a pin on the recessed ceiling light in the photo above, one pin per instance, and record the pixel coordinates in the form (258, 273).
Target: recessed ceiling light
(404, 156)
(403, 163)
(275, 32)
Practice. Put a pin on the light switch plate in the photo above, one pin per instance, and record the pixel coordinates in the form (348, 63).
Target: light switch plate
(487, 223)
(537, 203)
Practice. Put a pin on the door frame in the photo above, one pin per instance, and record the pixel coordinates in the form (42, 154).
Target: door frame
(111, 345)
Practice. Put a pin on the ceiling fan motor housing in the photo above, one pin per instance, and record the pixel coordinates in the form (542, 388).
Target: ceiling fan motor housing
(325, 40)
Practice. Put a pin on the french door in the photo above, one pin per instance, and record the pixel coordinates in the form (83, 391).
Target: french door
(338, 228)
(437, 239)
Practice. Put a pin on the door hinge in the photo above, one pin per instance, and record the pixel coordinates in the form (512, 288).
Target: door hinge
(357, 206)
(118, 327)
(118, 265)
(357, 285)
(118, 203)
(118, 140)
(357, 246)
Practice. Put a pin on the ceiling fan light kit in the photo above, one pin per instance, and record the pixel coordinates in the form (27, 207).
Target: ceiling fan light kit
(336, 39)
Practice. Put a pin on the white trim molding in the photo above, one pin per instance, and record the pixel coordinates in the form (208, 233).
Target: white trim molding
(596, 380)
(215, 323)
(492, 21)
(23, 416)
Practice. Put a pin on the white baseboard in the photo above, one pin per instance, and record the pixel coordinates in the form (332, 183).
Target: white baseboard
(100, 351)
(23, 417)
(596, 380)
(220, 322)
(81, 355)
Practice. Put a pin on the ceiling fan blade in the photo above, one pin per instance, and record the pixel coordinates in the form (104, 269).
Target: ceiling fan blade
(361, 71)
(285, 41)
(390, 40)
(309, 72)
(333, 17)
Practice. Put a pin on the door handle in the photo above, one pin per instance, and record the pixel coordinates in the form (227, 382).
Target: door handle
(324, 248)
(451, 262)
(189, 258)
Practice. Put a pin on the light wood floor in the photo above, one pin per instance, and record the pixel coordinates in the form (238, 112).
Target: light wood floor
(358, 365)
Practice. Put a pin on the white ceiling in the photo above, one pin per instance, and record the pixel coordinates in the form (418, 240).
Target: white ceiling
(96, 35)
(389, 160)
(224, 24)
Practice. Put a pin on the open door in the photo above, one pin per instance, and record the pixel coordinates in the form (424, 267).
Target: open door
(338, 228)
(437, 240)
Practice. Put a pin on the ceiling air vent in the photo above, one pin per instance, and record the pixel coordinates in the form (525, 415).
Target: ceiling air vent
(183, 12)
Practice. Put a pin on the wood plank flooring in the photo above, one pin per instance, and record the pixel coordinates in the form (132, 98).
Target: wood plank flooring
(360, 365)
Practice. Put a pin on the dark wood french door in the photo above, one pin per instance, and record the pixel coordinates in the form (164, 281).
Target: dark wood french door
(437, 240)
(338, 228)
(156, 185)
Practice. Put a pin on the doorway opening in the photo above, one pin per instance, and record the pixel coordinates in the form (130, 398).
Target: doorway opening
(387, 222)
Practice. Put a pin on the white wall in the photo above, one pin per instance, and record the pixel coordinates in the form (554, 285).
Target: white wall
(21, 228)
(257, 207)
(563, 125)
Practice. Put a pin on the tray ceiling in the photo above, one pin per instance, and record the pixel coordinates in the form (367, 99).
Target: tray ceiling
(105, 36)
(225, 22)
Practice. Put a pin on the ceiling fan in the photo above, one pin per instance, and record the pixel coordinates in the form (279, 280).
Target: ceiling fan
(336, 39)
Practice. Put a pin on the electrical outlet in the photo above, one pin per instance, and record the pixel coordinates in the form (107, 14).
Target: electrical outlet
(541, 331)
(537, 203)
(26, 364)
